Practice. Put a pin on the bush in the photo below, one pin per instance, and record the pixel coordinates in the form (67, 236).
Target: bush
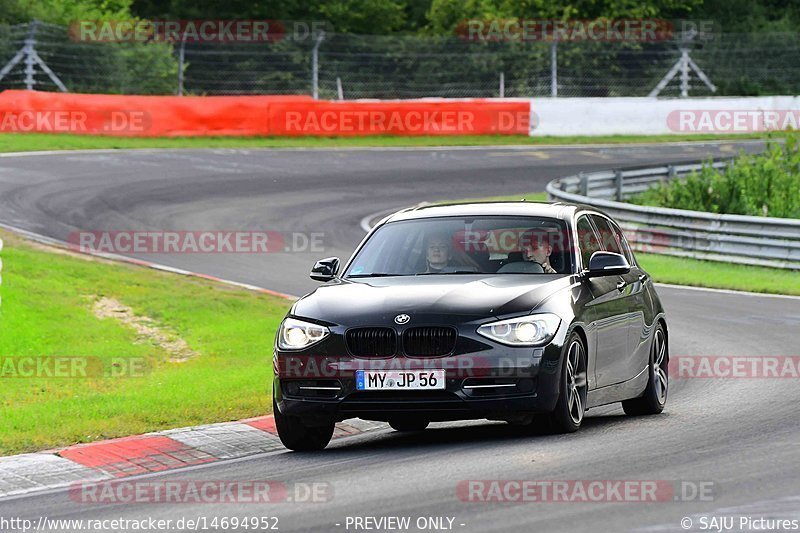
(766, 184)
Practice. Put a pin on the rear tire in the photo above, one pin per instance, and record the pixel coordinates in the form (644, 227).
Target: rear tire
(295, 435)
(655, 395)
(408, 425)
(571, 405)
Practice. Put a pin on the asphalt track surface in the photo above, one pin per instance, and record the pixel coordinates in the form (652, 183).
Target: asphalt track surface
(301, 192)
(740, 435)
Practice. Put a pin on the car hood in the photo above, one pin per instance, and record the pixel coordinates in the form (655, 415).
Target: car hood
(462, 297)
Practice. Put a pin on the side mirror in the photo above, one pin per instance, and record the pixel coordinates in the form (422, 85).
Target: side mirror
(325, 269)
(607, 264)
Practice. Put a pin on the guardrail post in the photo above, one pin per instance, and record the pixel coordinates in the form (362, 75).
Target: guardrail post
(618, 182)
(584, 182)
(671, 173)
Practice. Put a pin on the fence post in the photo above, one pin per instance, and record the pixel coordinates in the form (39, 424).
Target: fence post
(584, 181)
(554, 69)
(502, 85)
(339, 89)
(315, 66)
(618, 182)
(181, 61)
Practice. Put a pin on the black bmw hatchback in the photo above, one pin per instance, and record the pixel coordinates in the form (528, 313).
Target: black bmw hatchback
(530, 313)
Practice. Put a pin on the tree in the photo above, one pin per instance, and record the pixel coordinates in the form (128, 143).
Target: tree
(63, 12)
(445, 15)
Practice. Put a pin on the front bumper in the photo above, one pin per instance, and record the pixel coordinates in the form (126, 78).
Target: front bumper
(497, 382)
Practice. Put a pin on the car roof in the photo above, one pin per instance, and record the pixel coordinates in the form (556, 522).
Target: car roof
(520, 208)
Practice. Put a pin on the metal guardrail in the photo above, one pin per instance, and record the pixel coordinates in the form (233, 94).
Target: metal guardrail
(749, 240)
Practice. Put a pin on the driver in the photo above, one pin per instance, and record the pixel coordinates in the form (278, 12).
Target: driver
(437, 254)
(537, 248)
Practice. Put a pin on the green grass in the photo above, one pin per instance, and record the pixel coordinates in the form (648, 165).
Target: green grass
(530, 197)
(47, 311)
(25, 142)
(697, 273)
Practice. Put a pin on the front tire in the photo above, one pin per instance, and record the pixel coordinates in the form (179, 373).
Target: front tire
(295, 435)
(655, 395)
(571, 405)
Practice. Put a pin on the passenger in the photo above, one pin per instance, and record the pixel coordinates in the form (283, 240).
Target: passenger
(536, 247)
(438, 254)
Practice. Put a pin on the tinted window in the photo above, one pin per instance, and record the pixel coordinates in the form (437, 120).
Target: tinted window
(463, 245)
(626, 249)
(609, 239)
(587, 240)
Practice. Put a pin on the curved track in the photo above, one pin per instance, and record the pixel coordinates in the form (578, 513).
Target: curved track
(740, 434)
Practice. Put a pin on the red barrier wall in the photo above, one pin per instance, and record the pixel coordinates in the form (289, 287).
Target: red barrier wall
(171, 116)
(136, 116)
(400, 117)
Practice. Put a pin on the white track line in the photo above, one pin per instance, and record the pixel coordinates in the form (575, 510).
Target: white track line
(728, 291)
(49, 241)
(364, 223)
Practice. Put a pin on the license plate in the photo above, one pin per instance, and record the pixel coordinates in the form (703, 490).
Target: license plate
(400, 380)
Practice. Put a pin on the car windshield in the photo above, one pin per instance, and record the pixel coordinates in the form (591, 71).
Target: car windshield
(465, 245)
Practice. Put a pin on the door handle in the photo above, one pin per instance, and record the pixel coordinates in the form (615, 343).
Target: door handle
(621, 285)
(642, 278)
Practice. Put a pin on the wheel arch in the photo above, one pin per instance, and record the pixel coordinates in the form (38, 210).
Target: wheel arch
(589, 354)
(663, 322)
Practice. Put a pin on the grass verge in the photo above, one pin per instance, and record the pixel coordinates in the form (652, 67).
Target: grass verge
(712, 274)
(47, 310)
(26, 142)
(530, 197)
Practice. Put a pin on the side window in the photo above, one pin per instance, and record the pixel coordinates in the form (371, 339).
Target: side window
(626, 249)
(609, 239)
(587, 240)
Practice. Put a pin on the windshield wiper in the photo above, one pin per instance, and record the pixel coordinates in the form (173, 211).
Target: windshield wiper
(374, 275)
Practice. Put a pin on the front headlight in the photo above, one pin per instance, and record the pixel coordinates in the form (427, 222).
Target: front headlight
(297, 334)
(531, 330)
